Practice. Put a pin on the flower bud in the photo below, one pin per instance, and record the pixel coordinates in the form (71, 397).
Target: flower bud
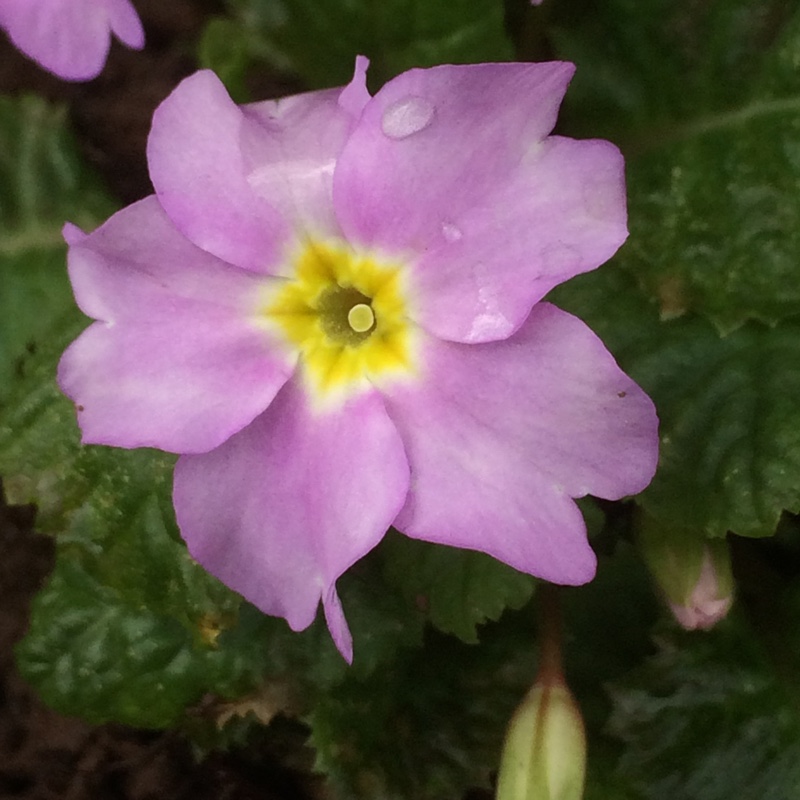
(544, 755)
(694, 574)
(712, 594)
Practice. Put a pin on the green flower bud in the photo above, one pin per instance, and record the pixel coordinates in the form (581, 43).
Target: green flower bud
(693, 573)
(544, 755)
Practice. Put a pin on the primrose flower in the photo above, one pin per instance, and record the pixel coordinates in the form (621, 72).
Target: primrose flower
(330, 309)
(70, 38)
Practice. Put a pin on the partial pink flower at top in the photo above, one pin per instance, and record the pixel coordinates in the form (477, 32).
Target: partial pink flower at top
(330, 309)
(70, 38)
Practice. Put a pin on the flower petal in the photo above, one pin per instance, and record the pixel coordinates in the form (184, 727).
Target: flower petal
(70, 38)
(137, 263)
(198, 172)
(179, 338)
(239, 181)
(290, 157)
(433, 142)
(125, 23)
(562, 213)
(282, 509)
(501, 436)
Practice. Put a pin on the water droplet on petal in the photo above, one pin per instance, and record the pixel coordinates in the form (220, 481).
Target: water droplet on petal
(450, 232)
(407, 116)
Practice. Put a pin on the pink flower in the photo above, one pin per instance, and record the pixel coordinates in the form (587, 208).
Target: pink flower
(70, 38)
(331, 309)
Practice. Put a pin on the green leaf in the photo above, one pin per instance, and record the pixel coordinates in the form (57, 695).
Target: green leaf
(715, 218)
(224, 49)
(90, 653)
(319, 40)
(428, 726)
(645, 64)
(705, 98)
(457, 590)
(730, 426)
(42, 184)
(706, 719)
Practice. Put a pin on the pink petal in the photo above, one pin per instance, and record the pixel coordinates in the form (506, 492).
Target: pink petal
(136, 263)
(282, 509)
(244, 182)
(433, 143)
(125, 23)
(501, 435)
(70, 38)
(561, 213)
(179, 338)
(290, 156)
(198, 172)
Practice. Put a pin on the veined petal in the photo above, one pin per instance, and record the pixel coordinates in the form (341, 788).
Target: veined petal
(282, 509)
(179, 360)
(198, 171)
(244, 182)
(70, 38)
(500, 437)
(433, 143)
(290, 156)
(563, 212)
(136, 265)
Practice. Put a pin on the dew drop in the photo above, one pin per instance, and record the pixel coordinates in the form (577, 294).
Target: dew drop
(407, 116)
(450, 232)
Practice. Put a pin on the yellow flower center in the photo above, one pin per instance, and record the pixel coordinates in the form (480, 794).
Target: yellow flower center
(346, 313)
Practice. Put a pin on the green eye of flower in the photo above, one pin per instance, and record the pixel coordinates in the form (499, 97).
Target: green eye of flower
(345, 315)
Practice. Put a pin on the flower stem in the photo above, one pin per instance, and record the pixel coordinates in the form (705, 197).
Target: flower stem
(551, 669)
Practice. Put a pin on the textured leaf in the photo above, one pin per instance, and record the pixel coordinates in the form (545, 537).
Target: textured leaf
(320, 39)
(706, 719)
(429, 726)
(42, 184)
(643, 65)
(92, 654)
(730, 426)
(706, 96)
(457, 590)
(715, 219)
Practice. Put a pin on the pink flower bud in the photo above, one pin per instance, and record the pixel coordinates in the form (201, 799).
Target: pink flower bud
(693, 573)
(711, 596)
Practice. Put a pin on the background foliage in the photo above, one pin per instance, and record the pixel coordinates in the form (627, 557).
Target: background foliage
(700, 306)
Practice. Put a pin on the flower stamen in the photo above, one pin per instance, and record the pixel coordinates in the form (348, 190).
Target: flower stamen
(361, 318)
